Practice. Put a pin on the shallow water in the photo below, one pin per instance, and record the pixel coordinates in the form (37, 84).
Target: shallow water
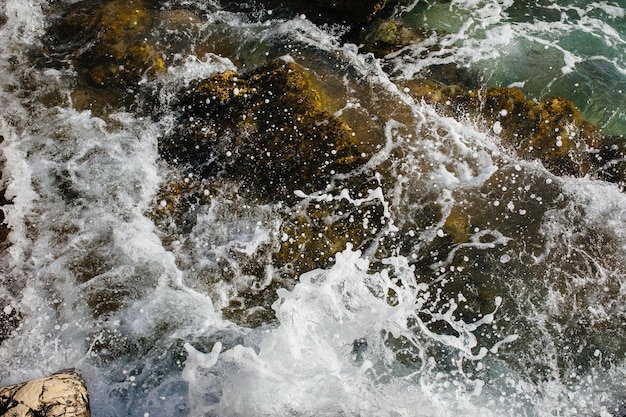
(483, 285)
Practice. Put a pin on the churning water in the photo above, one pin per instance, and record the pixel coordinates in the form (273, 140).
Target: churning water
(488, 286)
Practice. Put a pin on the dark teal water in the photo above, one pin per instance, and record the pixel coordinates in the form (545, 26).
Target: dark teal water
(573, 49)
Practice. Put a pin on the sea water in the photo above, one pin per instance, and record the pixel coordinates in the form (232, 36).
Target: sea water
(573, 49)
(524, 316)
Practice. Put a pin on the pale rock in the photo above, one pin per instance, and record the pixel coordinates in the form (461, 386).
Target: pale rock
(61, 394)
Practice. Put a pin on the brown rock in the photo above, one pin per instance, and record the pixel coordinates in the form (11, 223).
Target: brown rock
(107, 40)
(552, 130)
(267, 127)
(268, 134)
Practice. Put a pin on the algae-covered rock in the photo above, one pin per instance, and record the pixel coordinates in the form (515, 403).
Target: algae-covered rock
(318, 228)
(258, 249)
(552, 130)
(383, 37)
(267, 128)
(107, 40)
(264, 138)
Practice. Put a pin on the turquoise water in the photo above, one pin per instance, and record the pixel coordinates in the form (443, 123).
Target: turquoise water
(573, 49)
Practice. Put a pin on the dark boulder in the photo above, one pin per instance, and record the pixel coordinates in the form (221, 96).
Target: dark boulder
(267, 127)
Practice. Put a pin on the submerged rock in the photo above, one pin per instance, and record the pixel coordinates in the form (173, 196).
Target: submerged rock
(552, 130)
(267, 128)
(266, 136)
(383, 37)
(107, 41)
(61, 394)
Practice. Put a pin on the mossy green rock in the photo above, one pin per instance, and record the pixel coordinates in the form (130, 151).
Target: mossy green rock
(267, 128)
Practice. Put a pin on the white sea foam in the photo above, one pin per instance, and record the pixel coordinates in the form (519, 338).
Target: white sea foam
(330, 351)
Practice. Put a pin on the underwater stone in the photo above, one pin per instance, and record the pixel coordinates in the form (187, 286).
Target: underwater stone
(308, 236)
(383, 37)
(552, 130)
(61, 394)
(116, 32)
(317, 230)
(267, 135)
(267, 128)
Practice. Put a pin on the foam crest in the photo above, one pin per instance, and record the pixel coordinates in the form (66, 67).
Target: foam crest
(340, 337)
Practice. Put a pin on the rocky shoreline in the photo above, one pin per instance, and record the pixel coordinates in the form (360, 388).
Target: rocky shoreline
(274, 131)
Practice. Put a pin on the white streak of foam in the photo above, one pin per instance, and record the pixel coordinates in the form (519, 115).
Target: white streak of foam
(17, 178)
(307, 363)
(372, 195)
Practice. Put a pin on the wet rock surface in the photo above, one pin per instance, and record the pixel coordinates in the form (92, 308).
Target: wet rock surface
(551, 130)
(387, 36)
(268, 131)
(267, 128)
